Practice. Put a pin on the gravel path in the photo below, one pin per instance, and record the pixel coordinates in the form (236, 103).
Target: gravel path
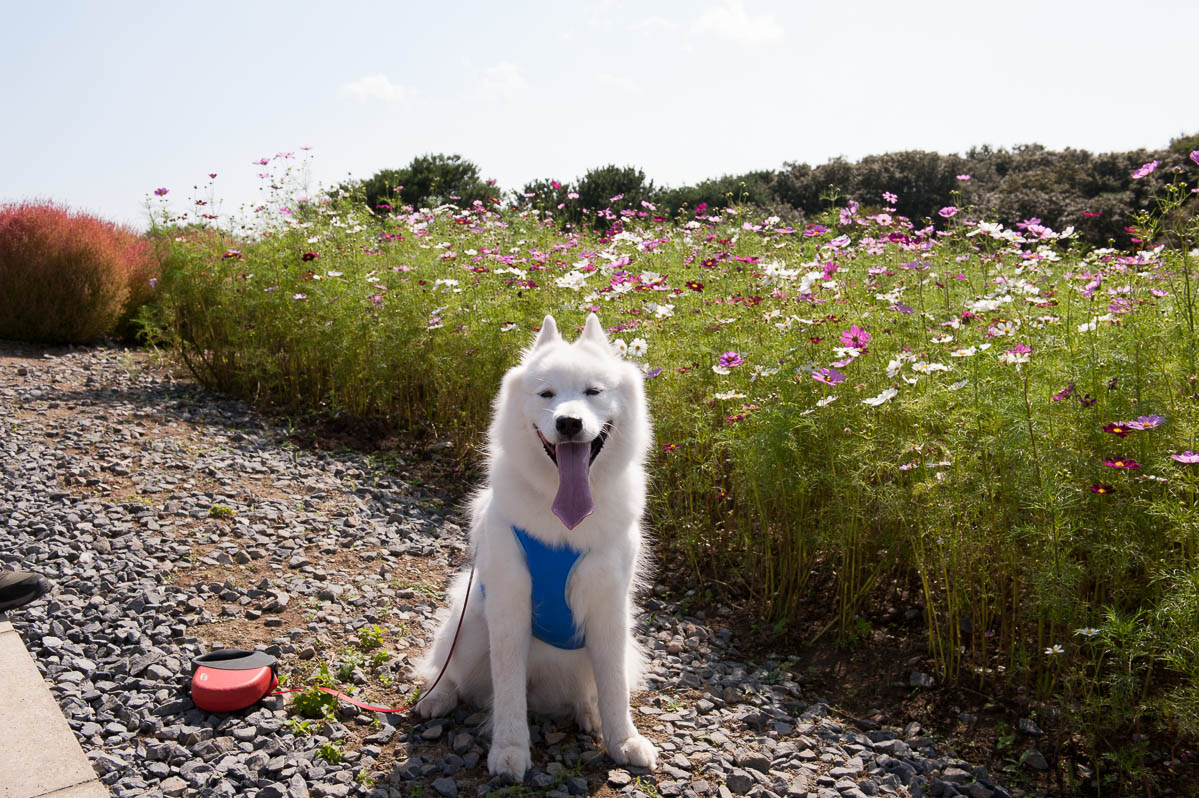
(175, 521)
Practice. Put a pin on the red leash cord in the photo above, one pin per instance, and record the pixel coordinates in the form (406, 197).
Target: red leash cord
(465, 598)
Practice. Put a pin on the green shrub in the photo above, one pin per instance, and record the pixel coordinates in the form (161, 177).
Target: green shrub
(428, 180)
(68, 277)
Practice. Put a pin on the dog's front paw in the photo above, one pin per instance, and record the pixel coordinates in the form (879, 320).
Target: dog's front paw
(438, 703)
(509, 760)
(636, 751)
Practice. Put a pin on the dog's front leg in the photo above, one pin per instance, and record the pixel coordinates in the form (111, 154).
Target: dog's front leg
(509, 614)
(607, 646)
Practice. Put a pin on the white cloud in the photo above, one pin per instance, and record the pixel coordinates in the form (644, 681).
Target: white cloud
(728, 19)
(602, 15)
(375, 87)
(503, 81)
(654, 26)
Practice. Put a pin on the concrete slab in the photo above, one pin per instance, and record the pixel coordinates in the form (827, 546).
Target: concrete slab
(41, 755)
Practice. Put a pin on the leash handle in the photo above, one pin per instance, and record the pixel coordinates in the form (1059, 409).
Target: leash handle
(465, 598)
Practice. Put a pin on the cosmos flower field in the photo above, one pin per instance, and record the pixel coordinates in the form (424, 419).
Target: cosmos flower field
(995, 418)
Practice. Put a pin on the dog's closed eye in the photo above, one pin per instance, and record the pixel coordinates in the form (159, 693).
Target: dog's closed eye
(593, 391)
(546, 394)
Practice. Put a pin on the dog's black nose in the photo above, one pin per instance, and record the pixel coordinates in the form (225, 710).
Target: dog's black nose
(568, 427)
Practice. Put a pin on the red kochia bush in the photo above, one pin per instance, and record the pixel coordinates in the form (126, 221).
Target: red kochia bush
(67, 277)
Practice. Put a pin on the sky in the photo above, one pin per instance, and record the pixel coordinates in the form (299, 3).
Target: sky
(102, 103)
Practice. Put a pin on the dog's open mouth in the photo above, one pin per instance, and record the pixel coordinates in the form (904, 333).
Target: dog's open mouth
(574, 458)
(597, 443)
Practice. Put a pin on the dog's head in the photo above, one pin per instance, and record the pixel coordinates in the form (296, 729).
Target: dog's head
(574, 408)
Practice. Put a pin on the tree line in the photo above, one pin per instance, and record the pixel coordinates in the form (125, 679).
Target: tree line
(1096, 194)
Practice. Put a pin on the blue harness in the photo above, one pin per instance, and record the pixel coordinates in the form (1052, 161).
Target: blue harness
(550, 569)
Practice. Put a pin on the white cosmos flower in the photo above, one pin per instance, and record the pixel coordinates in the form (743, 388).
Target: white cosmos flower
(720, 370)
(638, 347)
(929, 368)
(661, 311)
(828, 400)
(989, 305)
(728, 395)
(572, 280)
(622, 348)
(957, 386)
(885, 396)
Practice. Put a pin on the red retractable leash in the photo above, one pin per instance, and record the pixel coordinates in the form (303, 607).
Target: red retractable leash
(230, 679)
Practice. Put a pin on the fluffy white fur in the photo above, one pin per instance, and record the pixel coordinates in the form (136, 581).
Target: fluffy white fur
(496, 660)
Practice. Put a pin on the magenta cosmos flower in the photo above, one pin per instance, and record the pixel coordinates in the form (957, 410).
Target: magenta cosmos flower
(1188, 456)
(1120, 462)
(855, 336)
(828, 376)
(161, 192)
(730, 359)
(1145, 170)
(1102, 489)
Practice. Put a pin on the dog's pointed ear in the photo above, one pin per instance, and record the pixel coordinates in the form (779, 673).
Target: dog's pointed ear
(593, 332)
(548, 334)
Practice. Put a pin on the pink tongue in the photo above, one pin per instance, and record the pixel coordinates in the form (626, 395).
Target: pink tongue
(573, 502)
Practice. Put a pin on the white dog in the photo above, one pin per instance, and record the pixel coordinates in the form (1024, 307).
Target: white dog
(557, 543)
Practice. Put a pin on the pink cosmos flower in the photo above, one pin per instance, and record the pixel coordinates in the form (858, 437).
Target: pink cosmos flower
(828, 376)
(730, 359)
(1195, 156)
(963, 177)
(948, 212)
(262, 162)
(1145, 170)
(1064, 392)
(161, 192)
(1145, 422)
(1188, 456)
(890, 198)
(855, 336)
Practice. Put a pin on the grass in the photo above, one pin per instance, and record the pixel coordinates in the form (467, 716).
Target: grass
(998, 417)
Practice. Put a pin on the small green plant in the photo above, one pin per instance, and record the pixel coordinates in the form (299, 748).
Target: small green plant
(300, 727)
(351, 660)
(330, 751)
(421, 587)
(221, 511)
(312, 702)
(370, 638)
(364, 778)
